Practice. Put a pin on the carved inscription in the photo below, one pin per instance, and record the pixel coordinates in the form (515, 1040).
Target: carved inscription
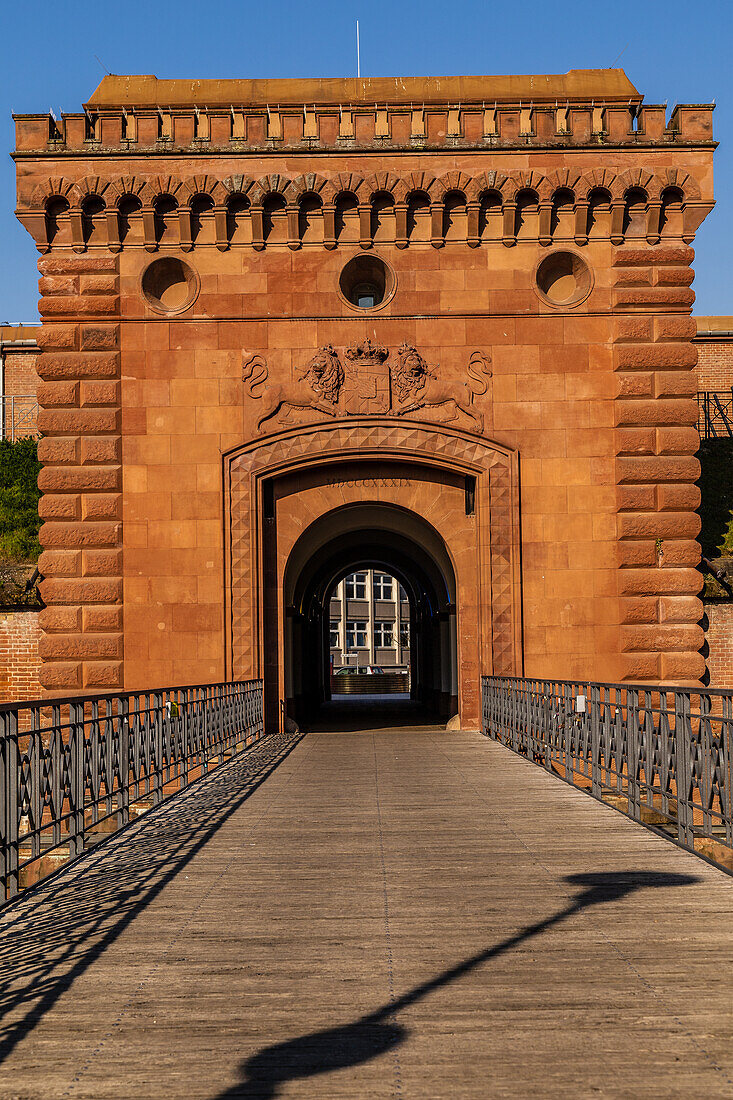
(369, 482)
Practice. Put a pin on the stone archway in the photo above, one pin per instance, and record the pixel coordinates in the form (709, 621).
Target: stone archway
(462, 485)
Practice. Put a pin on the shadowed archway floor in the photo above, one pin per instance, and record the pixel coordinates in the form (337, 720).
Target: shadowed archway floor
(396, 914)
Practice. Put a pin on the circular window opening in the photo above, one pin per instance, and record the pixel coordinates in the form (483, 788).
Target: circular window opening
(169, 285)
(366, 282)
(564, 279)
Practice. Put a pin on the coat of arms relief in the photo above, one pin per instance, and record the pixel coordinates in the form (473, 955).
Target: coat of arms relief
(372, 383)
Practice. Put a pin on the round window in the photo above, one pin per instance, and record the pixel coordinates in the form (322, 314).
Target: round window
(366, 282)
(564, 279)
(169, 285)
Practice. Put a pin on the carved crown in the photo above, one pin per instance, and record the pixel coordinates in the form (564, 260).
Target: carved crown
(366, 351)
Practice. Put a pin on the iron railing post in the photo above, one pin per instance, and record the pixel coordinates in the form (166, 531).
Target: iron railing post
(683, 750)
(595, 740)
(77, 780)
(158, 778)
(123, 748)
(9, 817)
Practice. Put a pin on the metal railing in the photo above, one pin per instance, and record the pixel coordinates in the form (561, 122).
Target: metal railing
(18, 416)
(663, 755)
(73, 771)
(715, 414)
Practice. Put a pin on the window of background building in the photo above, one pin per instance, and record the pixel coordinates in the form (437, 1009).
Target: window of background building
(356, 586)
(356, 634)
(383, 634)
(383, 586)
(405, 635)
(335, 634)
(403, 594)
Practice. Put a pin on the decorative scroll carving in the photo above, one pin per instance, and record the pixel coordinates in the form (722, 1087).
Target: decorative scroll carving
(318, 385)
(418, 387)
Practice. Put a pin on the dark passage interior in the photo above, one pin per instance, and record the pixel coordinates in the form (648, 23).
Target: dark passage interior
(395, 542)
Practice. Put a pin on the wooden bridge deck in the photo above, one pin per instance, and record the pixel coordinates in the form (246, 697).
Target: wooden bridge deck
(414, 914)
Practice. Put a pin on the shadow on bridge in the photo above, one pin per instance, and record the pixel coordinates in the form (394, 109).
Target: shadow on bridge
(54, 934)
(378, 1032)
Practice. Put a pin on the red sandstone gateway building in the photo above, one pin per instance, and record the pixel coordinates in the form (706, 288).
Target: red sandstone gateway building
(435, 326)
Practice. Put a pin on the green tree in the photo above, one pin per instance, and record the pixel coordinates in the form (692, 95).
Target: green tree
(19, 495)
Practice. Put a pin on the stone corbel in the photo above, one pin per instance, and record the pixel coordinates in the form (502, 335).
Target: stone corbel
(220, 228)
(113, 230)
(184, 228)
(400, 213)
(365, 225)
(473, 236)
(544, 210)
(509, 228)
(436, 225)
(293, 227)
(581, 221)
(149, 229)
(329, 225)
(258, 229)
(693, 215)
(35, 224)
(77, 230)
(653, 220)
(618, 206)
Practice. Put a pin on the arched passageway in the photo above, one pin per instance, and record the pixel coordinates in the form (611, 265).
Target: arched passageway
(371, 535)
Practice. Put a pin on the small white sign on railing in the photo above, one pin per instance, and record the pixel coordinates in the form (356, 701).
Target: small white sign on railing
(580, 701)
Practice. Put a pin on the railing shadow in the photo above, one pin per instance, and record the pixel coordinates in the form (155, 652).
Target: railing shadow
(352, 1044)
(54, 934)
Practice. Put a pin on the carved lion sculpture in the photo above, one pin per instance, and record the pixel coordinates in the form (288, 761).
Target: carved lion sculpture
(317, 387)
(417, 387)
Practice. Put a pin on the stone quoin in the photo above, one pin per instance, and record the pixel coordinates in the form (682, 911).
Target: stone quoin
(439, 326)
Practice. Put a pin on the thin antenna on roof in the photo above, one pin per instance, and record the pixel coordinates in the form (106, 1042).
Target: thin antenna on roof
(613, 66)
(104, 67)
(358, 54)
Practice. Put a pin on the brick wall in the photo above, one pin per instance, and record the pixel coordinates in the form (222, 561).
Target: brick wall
(20, 378)
(19, 659)
(719, 637)
(715, 353)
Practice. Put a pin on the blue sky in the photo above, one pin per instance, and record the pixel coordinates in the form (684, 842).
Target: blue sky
(675, 51)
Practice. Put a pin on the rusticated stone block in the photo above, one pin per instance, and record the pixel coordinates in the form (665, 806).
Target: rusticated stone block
(60, 620)
(680, 609)
(645, 525)
(60, 677)
(656, 468)
(678, 497)
(105, 675)
(101, 506)
(61, 337)
(678, 552)
(659, 256)
(78, 479)
(674, 276)
(99, 284)
(55, 365)
(635, 385)
(60, 507)
(635, 441)
(662, 637)
(58, 394)
(98, 450)
(60, 563)
(659, 411)
(79, 535)
(59, 450)
(641, 668)
(673, 383)
(99, 393)
(678, 441)
(655, 356)
(639, 609)
(97, 338)
(70, 647)
(101, 563)
(84, 591)
(660, 582)
(637, 498)
(87, 421)
(633, 329)
(682, 668)
(61, 265)
(674, 328)
(658, 296)
(52, 285)
(106, 620)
